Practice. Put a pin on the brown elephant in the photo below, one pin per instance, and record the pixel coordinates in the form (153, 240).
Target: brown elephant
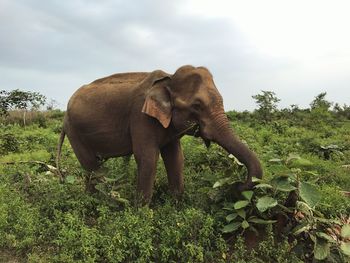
(146, 114)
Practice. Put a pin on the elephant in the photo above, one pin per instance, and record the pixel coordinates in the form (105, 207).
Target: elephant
(146, 114)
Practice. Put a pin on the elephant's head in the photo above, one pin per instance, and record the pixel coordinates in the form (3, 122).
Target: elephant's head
(190, 101)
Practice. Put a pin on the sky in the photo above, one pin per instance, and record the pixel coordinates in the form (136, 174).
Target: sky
(296, 49)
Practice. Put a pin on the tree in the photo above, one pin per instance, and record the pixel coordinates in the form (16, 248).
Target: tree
(20, 100)
(4, 102)
(52, 104)
(342, 111)
(320, 103)
(267, 102)
(320, 110)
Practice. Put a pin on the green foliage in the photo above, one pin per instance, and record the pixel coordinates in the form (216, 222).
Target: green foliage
(8, 143)
(320, 103)
(18, 99)
(303, 196)
(269, 250)
(188, 235)
(267, 102)
(17, 220)
(268, 202)
(342, 112)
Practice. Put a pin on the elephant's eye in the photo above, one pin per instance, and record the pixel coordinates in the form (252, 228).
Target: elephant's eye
(196, 106)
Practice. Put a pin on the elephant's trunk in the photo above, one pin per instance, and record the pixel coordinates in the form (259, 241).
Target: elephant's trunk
(223, 135)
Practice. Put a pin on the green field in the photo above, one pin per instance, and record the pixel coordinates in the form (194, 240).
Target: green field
(299, 212)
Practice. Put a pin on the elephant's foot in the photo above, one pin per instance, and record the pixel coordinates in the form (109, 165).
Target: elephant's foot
(177, 193)
(141, 200)
(248, 185)
(92, 179)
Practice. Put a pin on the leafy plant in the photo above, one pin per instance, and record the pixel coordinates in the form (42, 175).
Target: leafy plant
(42, 220)
(267, 102)
(243, 213)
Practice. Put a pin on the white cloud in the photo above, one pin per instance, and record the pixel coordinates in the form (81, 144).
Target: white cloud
(290, 47)
(295, 29)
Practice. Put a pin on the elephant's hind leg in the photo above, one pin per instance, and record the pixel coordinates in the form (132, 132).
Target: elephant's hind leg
(88, 160)
(174, 162)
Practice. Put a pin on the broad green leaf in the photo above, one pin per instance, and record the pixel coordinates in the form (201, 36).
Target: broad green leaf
(324, 236)
(116, 178)
(261, 221)
(313, 237)
(300, 163)
(275, 160)
(231, 227)
(122, 200)
(245, 224)
(292, 157)
(51, 168)
(345, 231)
(327, 221)
(265, 203)
(110, 180)
(263, 186)
(256, 179)
(304, 208)
(301, 228)
(285, 209)
(231, 156)
(70, 179)
(222, 182)
(241, 213)
(283, 184)
(293, 177)
(231, 217)
(321, 249)
(313, 173)
(309, 193)
(330, 147)
(248, 195)
(345, 248)
(241, 204)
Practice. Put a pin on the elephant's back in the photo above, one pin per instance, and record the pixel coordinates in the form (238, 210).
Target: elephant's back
(129, 78)
(106, 93)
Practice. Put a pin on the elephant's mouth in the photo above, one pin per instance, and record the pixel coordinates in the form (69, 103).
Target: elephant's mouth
(192, 129)
(197, 131)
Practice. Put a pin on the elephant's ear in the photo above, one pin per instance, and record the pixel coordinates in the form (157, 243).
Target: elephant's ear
(157, 103)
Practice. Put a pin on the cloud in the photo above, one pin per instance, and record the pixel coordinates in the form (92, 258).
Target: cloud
(54, 47)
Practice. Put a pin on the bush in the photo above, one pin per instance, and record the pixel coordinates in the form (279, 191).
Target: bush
(18, 221)
(42, 220)
(9, 143)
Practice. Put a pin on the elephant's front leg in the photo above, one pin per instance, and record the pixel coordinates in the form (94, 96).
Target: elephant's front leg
(146, 159)
(174, 162)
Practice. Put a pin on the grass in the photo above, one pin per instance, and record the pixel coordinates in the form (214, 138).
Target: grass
(42, 220)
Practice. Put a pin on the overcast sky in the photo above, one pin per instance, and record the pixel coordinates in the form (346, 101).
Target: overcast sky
(297, 49)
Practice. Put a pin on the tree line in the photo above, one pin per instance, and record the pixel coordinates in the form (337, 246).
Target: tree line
(320, 109)
(267, 105)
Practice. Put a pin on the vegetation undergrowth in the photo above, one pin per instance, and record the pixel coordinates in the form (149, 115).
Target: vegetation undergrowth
(299, 211)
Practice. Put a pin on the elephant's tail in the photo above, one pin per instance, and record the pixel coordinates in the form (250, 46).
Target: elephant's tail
(59, 149)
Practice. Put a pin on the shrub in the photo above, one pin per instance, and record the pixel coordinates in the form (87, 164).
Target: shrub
(18, 221)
